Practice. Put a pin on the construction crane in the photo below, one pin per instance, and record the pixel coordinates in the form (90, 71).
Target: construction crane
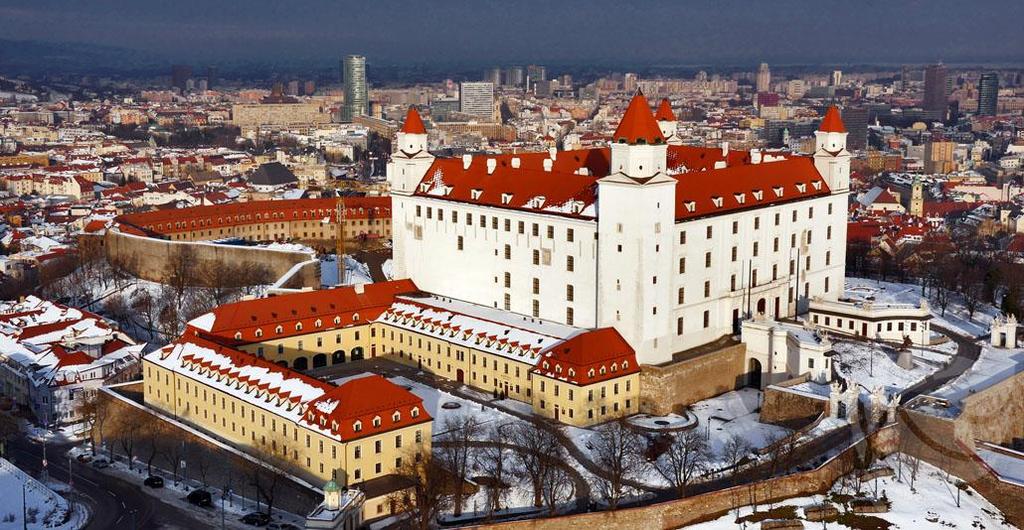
(339, 238)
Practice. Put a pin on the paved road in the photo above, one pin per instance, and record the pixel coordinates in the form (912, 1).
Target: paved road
(967, 353)
(113, 503)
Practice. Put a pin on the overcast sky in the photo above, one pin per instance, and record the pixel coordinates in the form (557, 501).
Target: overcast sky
(566, 31)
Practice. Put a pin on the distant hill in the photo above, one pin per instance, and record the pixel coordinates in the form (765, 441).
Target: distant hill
(36, 57)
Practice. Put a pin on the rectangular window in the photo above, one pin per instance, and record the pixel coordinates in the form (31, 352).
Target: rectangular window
(707, 288)
(707, 319)
(570, 263)
(459, 243)
(679, 326)
(682, 265)
(569, 293)
(680, 296)
(569, 235)
(707, 259)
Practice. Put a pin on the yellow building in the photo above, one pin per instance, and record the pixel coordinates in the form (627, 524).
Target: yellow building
(354, 432)
(572, 375)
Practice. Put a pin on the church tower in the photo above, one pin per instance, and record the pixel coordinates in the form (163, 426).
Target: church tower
(917, 199)
(635, 223)
(407, 167)
(830, 155)
(667, 122)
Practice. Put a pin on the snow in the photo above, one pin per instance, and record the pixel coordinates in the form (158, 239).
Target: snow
(204, 322)
(433, 399)
(930, 505)
(993, 365)
(50, 509)
(735, 414)
(659, 423)
(356, 272)
(869, 365)
(288, 247)
(388, 268)
(956, 315)
(1009, 465)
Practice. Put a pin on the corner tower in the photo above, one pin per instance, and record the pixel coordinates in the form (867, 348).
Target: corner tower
(635, 223)
(667, 122)
(830, 155)
(408, 165)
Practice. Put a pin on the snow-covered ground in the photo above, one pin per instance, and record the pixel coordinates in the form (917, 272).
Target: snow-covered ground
(433, 399)
(1009, 465)
(930, 504)
(870, 365)
(356, 272)
(734, 414)
(993, 365)
(956, 315)
(43, 508)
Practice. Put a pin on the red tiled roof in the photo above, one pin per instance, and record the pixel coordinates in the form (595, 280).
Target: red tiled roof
(363, 399)
(243, 213)
(638, 125)
(737, 188)
(832, 122)
(413, 124)
(664, 112)
(597, 349)
(305, 308)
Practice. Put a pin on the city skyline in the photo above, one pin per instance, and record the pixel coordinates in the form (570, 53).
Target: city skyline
(730, 33)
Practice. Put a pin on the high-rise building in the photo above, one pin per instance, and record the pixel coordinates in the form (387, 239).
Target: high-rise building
(477, 99)
(309, 88)
(904, 77)
(514, 76)
(211, 76)
(764, 78)
(629, 82)
(988, 93)
(354, 79)
(180, 74)
(796, 89)
(935, 89)
(493, 76)
(837, 77)
(293, 87)
(535, 73)
(856, 120)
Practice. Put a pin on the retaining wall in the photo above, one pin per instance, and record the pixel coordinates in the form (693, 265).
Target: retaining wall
(672, 387)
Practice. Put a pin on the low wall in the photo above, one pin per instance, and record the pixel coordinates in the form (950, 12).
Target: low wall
(148, 258)
(672, 387)
(996, 414)
(791, 409)
(708, 506)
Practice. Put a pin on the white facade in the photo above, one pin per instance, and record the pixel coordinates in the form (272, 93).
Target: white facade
(888, 322)
(477, 99)
(629, 261)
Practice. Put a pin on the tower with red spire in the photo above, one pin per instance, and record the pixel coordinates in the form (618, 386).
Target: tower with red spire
(667, 122)
(830, 154)
(636, 205)
(408, 165)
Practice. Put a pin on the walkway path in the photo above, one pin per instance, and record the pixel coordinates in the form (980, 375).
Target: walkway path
(967, 353)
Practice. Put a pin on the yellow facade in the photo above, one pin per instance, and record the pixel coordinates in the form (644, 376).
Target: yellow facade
(286, 443)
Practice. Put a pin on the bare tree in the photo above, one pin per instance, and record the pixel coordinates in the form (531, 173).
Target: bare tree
(151, 435)
(556, 485)
(684, 460)
(533, 446)
(618, 451)
(180, 271)
(428, 493)
(128, 426)
(735, 450)
(453, 450)
(175, 451)
(95, 412)
(492, 458)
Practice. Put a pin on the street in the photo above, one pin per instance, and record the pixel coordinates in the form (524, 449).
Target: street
(113, 503)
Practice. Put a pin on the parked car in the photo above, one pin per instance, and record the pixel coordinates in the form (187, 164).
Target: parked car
(256, 519)
(84, 458)
(154, 481)
(200, 498)
(277, 525)
(100, 463)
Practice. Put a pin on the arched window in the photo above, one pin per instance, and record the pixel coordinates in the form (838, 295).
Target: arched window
(259, 333)
(355, 317)
(238, 335)
(278, 330)
(298, 327)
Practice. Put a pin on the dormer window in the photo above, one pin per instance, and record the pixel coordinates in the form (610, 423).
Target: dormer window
(425, 187)
(558, 368)
(318, 323)
(615, 367)
(816, 184)
(475, 194)
(298, 326)
(355, 317)
(625, 365)
(572, 372)
(259, 333)
(801, 187)
(415, 413)
(278, 330)
(590, 373)
(238, 335)
(357, 426)
(337, 321)
(740, 197)
(506, 198)
(759, 195)
(376, 421)
(691, 206)
(777, 190)
(603, 370)
(717, 201)
(396, 417)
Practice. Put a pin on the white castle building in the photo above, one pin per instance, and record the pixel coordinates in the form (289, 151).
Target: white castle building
(672, 245)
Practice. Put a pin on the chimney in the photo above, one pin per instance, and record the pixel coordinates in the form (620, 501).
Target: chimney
(548, 163)
(720, 164)
(553, 153)
(492, 164)
(360, 288)
(755, 156)
(466, 161)
(515, 162)
(725, 149)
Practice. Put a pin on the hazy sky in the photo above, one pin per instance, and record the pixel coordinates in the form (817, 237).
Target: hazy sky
(566, 31)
